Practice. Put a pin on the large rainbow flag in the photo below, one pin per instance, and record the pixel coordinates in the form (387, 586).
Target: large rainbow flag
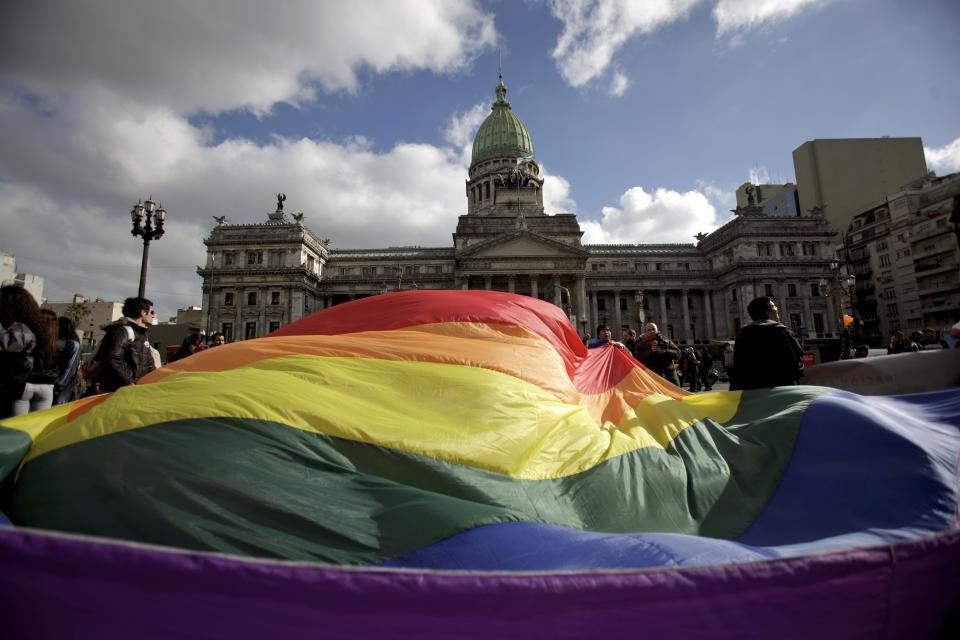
(457, 464)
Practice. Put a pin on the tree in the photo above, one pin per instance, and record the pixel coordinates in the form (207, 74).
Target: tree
(78, 311)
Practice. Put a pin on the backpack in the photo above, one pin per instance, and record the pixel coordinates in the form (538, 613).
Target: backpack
(93, 369)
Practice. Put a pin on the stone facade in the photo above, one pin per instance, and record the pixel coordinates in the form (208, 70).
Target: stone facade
(259, 277)
(280, 271)
(904, 255)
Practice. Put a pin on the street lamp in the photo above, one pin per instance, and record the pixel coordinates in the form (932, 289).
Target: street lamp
(147, 230)
(839, 286)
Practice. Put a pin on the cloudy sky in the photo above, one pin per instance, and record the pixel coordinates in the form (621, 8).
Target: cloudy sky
(646, 116)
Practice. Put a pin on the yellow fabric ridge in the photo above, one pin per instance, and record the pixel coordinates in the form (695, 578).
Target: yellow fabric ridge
(462, 414)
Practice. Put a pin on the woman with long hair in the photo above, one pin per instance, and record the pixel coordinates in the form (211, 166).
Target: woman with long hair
(21, 339)
(68, 362)
(38, 394)
(190, 345)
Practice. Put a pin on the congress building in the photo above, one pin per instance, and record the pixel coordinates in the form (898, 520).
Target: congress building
(259, 277)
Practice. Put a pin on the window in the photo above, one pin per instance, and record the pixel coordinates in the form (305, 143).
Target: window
(251, 331)
(889, 293)
(818, 323)
(667, 298)
(786, 249)
(228, 258)
(228, 299)
(764, 249)
(601, 304)
(251, 297)
(885, 260)
(226, 329)
(892, 310)
(814, 289)
(274, 298)
(686, 265)
(623, 304)
(274, 325)
(736, 325)
(254, 257)
(795, 322)
(670, 331)
(599, 266)
(882, 245)
(312, 265)
(809, 248)
(733, 295)
(768, 290)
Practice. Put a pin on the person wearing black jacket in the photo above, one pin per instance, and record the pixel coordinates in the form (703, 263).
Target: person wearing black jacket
(125, 354)
(658, 353)
(766, 354)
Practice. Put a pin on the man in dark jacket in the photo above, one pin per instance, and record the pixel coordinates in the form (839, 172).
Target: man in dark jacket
(658, 353)
(125, 354)
(766, 354)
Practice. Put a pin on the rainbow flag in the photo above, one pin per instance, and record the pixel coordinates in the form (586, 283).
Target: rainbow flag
(456, 463)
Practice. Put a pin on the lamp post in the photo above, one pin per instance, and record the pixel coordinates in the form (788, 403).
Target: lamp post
(837, 287)
(148, 230)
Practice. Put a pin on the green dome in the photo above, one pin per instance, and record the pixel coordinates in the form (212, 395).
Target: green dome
(502, 134)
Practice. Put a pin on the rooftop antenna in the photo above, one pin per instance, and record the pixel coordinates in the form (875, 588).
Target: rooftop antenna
(500, 60)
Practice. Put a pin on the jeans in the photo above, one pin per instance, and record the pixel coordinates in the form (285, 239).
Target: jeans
(35, 398)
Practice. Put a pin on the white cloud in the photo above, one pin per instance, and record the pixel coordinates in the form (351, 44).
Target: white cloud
(739, 15)
(619, 84)
(226, 54)
(462, 127)
(665, 216)
(945, 159)
(594, 30)
(759, 175)
(94, 111)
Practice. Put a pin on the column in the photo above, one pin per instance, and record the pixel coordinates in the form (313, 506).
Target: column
(581, 301)
(534, 291)
(746, 295)
(594, 312)
(617, 316)
(685, 303)
(807, 316)
(708, 308)
(662, 320)
(488, 282)
(557, 293)
(466, 283)
(641, 314)
(512, 284)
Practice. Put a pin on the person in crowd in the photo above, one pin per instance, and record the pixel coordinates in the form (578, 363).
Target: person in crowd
(125, 353)
(658, 353)
(706, 366)
(728, 359)
(38, 393)
(692, 368)
(217, 340)
(605, 339)
(630, 339)
(766, 354)
(585, 338)
(861, 351)
(900, 344)
(190, 345)
(20, 336)
(916, 338)
(69, 383)
(932, 340)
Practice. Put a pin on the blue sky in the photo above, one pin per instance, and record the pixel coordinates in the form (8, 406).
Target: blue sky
(646, 116)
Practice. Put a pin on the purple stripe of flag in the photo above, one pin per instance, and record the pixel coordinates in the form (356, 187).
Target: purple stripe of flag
(66, 586)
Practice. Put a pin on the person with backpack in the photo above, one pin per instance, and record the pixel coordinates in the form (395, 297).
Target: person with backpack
(125, 353)
(23, 343)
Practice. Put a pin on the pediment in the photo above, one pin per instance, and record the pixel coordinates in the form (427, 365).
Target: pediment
(522, 244)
